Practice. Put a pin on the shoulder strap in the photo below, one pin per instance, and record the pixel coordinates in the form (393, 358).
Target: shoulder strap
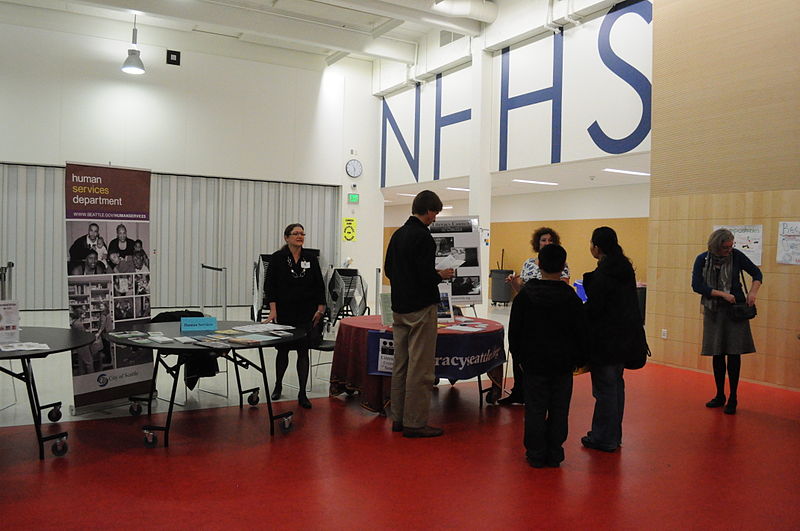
(744, 284)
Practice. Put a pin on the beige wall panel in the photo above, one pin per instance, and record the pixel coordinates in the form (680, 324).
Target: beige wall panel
(725, 100)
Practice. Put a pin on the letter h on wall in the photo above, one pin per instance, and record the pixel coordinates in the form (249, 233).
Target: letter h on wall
(552, 93)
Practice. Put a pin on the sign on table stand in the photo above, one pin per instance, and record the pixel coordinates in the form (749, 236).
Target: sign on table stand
(458, 247)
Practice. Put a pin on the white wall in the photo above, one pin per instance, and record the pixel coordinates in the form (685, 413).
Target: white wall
(63, 98)
(629, 201)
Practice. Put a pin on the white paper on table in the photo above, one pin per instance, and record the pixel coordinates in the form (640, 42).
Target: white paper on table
(9, 347)
(463, 328)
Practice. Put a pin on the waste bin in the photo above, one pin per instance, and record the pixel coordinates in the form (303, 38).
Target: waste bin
(501, 290)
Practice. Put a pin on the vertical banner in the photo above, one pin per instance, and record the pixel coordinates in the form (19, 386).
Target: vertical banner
(457, 246)
(108, 277)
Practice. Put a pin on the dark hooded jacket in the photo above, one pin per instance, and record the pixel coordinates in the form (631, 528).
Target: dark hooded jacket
(547, 328)
(616, 334)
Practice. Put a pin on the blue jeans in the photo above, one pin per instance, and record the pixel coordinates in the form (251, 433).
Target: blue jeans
(608, 389)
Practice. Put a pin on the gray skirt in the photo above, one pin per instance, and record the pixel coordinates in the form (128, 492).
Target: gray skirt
(721, 335)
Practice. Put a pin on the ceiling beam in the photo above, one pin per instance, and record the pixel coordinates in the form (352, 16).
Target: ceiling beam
(277, 27)
(464, 26)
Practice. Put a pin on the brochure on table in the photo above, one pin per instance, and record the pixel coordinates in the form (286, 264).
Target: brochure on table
(458, 247)
(9, 322)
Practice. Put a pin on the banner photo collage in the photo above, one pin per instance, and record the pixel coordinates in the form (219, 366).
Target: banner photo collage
(108, 277)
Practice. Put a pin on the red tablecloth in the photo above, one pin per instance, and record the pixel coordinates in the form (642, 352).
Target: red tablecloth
(349, 367)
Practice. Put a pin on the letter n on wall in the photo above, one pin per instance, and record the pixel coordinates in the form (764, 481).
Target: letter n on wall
(388, 118)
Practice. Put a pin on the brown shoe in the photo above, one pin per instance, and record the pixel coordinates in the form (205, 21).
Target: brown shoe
(426, 431)
(397, 426)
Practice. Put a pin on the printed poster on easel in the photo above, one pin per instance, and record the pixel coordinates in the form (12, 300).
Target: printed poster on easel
(458, 247)
(108, 278)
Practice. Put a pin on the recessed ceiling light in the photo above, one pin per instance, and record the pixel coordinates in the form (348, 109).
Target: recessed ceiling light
(458, 189)
(407, 195)
(447, 207)
(612, 170)
(534, 182)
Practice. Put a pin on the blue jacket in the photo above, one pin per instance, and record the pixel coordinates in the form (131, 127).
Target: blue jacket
(740, 261)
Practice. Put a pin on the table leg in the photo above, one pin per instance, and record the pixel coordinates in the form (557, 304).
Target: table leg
(174, 371)
(60, 448)
(285, 416)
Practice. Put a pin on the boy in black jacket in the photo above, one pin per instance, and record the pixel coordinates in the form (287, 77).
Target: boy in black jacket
(547, 333)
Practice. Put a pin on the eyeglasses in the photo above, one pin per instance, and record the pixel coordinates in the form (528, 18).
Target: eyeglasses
(297, 234)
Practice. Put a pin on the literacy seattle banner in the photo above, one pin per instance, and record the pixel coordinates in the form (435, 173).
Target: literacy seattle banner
(108, 277)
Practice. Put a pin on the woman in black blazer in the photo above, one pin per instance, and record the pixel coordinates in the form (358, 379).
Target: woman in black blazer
(296, 296)
(616, 335)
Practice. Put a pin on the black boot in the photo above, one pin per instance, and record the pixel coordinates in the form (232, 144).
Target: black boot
(276, 392)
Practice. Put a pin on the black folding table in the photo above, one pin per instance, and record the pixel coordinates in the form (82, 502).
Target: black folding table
(184, 352)
(57, 340)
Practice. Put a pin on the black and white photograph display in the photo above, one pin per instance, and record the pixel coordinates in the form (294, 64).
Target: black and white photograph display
(458, 247)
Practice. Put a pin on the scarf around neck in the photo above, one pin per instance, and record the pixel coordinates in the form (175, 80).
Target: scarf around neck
(717, 274)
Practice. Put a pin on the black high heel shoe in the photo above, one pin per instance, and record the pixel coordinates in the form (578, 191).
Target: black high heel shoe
(717, 401)
(276, 393)
(304, 402)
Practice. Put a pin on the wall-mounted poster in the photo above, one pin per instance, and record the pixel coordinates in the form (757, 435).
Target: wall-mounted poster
(108, 278)
(457, 246)
(788, 243)
(748, 239)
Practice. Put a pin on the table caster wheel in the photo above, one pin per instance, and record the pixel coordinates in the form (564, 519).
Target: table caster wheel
(59, 448)
(286, 424)
(150, 439)
(253, 399)
(349, 392)
(436, 381)
(452, 381)
(493, 395)
(135, 409)
(54, 414)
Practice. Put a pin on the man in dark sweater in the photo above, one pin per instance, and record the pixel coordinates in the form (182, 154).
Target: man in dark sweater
(547, 333)
(410, 268)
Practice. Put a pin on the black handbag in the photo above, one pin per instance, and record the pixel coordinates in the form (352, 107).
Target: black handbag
(740, 311)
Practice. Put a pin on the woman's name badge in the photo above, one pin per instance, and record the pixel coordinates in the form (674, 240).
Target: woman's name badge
(305, 264)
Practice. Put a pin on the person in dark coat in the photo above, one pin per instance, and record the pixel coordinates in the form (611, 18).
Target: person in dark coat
(296, 296)
(715, 276)
(547, 334)
(616, 335)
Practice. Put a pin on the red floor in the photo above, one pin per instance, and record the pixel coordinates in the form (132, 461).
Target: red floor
(682, 467)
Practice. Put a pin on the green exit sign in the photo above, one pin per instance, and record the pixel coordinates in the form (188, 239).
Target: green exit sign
(352, 199)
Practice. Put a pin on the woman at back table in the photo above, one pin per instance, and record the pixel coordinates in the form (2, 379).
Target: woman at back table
(296, 296)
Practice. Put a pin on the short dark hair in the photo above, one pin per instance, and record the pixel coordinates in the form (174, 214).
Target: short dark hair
(94, 225)
(541, 231)
(288, 230)
(552, 258)
(426, 201)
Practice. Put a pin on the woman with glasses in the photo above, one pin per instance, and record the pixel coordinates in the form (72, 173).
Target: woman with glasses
(715, 276)
(296, 296)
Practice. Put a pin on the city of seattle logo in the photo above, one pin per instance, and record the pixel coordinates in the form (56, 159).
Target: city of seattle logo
(102, 380)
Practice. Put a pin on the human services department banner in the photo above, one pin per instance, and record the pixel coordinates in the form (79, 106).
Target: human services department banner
(108, 277)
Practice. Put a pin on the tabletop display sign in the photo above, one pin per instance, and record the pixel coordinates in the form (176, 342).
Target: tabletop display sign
(788, 243)
(382, 345)
(387, 315)
(444, 312)
(457, 247)
(198, 324)
(108, 278)
(748, 239)
(9, 322)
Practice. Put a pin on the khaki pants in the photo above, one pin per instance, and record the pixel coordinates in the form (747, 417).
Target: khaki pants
(413, 373)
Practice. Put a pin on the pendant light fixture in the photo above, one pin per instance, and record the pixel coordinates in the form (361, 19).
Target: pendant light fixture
(133, 64)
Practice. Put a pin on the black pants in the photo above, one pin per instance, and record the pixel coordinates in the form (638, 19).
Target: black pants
(608, 389)
(547, 399)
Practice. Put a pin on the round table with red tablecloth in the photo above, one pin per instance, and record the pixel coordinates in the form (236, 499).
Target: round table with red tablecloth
(454, 349)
